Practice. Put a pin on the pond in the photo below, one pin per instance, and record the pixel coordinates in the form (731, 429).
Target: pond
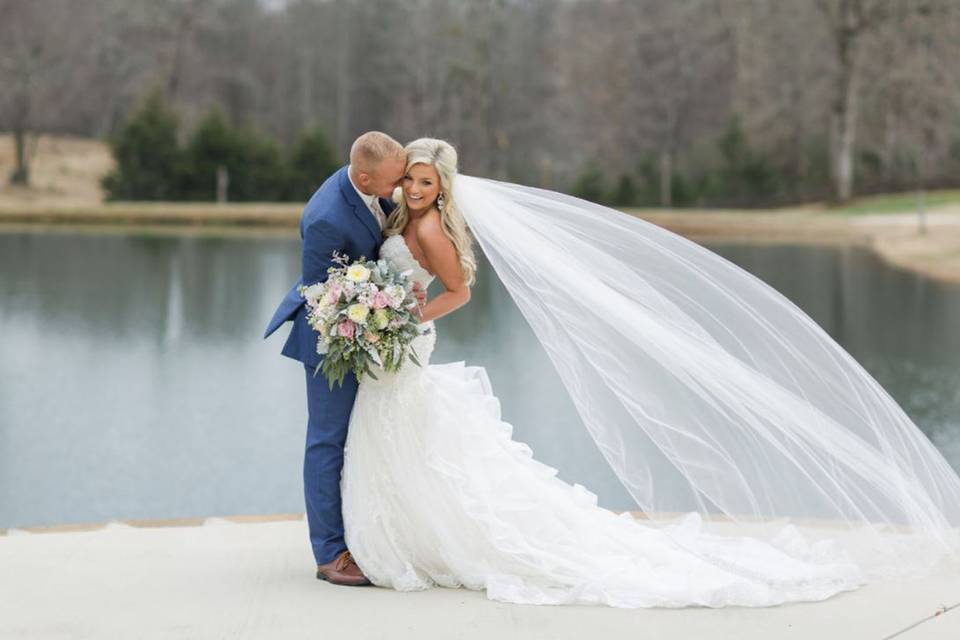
(134, 382)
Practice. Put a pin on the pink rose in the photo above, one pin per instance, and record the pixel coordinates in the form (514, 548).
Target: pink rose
(380, 300)
(334, 294)
(345, 329)
(371, 337)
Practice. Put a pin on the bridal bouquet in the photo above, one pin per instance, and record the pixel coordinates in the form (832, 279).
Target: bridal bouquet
(363, 312)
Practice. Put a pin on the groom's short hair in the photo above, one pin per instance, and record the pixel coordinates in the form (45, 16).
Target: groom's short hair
(372, 148)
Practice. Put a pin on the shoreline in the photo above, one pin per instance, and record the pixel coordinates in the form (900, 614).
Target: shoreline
(151, 523)
(201, 521)
(162, 523)
(134, 214)
(892, 237)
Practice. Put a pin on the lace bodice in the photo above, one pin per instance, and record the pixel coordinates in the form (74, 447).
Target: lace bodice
(395, 251)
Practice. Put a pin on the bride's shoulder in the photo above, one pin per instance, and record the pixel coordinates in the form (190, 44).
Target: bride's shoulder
(430, 227)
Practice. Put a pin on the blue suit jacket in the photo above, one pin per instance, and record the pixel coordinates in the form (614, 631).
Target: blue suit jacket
(335, 218)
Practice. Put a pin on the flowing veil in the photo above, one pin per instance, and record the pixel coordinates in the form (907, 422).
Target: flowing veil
(708, 391)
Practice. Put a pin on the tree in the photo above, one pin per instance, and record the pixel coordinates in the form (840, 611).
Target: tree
(590, 185)
(744, 176)
(34, 62)
(149, 162)
(312, 161)
(851, 23)
(527, 90)
(626, 193)
(682, 68)
(253, 162)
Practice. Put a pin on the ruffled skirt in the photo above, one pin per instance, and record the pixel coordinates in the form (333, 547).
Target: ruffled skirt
(437, 493)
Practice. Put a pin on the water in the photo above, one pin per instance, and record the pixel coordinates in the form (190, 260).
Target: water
(134, 383)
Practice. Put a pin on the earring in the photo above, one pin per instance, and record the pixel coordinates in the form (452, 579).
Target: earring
(440, 202)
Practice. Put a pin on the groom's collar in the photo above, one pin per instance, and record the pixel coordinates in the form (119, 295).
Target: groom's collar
(367, 199)
(360, 208)
(349, 192)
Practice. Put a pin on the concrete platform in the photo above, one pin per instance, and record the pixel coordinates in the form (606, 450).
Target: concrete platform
(244, 578)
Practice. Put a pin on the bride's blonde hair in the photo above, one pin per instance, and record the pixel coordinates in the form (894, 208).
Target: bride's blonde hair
(443, 157)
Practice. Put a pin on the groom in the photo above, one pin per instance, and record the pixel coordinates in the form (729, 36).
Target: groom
(346, 214)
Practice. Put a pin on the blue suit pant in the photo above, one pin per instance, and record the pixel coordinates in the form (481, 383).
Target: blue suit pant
(328, 418)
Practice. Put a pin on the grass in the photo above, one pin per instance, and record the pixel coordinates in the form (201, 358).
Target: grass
(898, 203)
(64, 171)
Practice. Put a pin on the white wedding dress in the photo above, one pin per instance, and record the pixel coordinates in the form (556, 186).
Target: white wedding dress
(437, 493)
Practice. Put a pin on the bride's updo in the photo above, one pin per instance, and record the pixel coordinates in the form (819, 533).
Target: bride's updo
(443, 157)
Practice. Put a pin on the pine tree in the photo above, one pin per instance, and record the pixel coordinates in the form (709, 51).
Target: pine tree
(148, 159)
(312, 161)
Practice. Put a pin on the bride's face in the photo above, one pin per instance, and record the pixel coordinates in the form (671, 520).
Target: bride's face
(421, 185)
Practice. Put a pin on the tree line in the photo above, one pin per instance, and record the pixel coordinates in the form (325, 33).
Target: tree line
(219, 161)
(240, 163)
(708, 102)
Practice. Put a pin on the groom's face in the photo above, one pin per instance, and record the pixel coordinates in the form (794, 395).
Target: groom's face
(385, 178)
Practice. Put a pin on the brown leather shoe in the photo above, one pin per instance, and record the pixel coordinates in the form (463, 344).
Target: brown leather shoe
(342, 570)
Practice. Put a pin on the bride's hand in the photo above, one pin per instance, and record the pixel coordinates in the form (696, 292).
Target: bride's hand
(420, 294)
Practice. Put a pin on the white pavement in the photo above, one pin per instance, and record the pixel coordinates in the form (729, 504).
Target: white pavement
(254, 580)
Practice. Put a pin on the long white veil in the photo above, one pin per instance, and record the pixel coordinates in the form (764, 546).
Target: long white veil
(705, 389)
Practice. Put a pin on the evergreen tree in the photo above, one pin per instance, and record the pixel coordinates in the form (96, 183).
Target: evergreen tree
(626, 193)
(148, 159)
(312, 161)
(212, 145)
(253, 163)
(590, 185)
(265, 171)
(744, 176)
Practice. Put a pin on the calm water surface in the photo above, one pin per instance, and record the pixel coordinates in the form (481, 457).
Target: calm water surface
(134, 383)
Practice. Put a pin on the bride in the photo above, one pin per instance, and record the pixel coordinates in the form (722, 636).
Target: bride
(707, 392)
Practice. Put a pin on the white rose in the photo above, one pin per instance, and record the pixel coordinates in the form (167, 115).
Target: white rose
(358, 273)
(358, 313)
(314, 294)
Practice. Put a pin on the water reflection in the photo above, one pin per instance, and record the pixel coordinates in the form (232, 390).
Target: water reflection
(133, 382)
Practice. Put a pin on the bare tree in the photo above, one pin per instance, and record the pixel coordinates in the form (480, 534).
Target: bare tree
(851, 23)
(34, 63)
(830, 93)
(681, 73)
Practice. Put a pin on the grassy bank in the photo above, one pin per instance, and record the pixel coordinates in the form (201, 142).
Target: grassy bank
(154, 213)
(892, 234)
(895, 237)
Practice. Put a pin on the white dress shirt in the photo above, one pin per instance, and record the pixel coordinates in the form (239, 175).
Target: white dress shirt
(371, 201)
